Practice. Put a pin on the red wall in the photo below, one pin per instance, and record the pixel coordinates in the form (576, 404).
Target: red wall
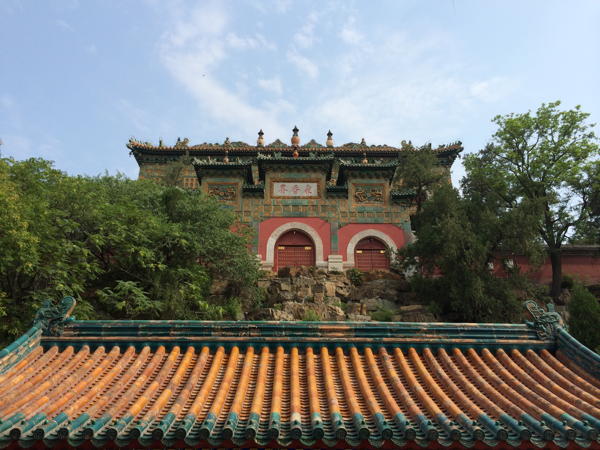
(584, 267)
(345, 234)
(266, 228)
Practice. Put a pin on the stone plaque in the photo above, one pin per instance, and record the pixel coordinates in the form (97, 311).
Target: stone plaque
(295, 189)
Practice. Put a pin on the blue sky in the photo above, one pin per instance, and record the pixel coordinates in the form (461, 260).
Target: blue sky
(79, 78)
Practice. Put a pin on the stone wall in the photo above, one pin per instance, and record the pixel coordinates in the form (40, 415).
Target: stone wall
(311, 294)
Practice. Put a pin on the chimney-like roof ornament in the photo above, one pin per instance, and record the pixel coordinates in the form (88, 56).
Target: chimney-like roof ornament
(329, 141)
(295, 137)
(261, 140)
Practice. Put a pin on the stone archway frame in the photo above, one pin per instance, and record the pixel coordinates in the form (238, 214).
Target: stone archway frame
(388, 241)
(278, 232)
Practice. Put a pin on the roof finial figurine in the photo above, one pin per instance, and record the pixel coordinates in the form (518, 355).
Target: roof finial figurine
(295, 137)
(295, 154)
(365, 160)
(226, 158)
(261, 140)
(363, 142)
(226, 143)
(329, 141)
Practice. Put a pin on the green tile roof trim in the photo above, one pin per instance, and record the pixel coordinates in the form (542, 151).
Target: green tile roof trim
(297, 384)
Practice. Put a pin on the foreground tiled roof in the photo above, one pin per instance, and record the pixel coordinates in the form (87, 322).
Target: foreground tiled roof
(305, 384)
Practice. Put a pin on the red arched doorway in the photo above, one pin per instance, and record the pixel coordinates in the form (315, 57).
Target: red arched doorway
(294, 249)
(371, 254)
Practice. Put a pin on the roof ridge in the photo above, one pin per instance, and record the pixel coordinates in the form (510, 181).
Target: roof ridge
(277, 144)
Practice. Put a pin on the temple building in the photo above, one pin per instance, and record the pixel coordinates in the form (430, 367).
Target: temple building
(333, 207)
(194, 384)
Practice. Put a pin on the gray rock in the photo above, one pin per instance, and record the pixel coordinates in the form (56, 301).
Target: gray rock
(330, 288)
(373, 304)
(359, 318)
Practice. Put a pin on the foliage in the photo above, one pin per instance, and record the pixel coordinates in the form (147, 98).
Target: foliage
(123, 248)
(355, 276)
(420, 172)
(382, 315)
(310, 315)
(588, 230)
(542, 162)
(174, 170)
(455, 243)
(567, 282)
(584, 317)
(231, 309)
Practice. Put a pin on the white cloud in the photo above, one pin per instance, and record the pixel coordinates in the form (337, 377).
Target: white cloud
(267, 7)
(249, 43)
(65, 25)
(303, 64)
(271, 85)
(349, 33)
(210, 19)
(138, 116)
(386, 85)
(305, 37)
(282, 6)
(398, 87)
(492, 90)
(193, 55)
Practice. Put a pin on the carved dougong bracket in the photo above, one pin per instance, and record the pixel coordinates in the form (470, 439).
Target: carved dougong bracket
(546, 323)
(52, 318)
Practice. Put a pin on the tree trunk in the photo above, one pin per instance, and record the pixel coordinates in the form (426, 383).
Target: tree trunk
(556, 261)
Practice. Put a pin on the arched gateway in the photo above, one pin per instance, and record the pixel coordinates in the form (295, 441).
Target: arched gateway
(371, 254)
(294, 249)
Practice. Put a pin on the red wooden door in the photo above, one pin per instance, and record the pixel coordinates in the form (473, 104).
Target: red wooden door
(294, 249)
(371, 254)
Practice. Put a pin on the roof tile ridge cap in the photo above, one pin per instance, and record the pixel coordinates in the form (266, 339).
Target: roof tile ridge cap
(19, 348)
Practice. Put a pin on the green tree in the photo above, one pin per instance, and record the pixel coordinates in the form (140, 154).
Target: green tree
(584, 317)
(123, 248)
(588, 229)
(456, 240)
(542, 162)
(419, 172)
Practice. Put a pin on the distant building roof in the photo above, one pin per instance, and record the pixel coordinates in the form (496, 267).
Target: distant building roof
(300, 384)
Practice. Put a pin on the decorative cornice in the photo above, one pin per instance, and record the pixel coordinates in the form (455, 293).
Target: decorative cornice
(253, 188)
(278, 145)
(241, 167)
(52, 318)
(546, 323)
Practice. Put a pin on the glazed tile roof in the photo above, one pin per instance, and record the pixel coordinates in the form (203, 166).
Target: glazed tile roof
(304, 384)
(277, 146)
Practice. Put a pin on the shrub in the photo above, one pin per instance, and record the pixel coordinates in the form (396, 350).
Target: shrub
(355, 276)
(584, 317)
(310, 315)
(567, 282)
(382, 315)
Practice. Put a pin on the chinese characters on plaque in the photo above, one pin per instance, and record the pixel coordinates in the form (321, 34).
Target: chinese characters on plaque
(293, 189)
